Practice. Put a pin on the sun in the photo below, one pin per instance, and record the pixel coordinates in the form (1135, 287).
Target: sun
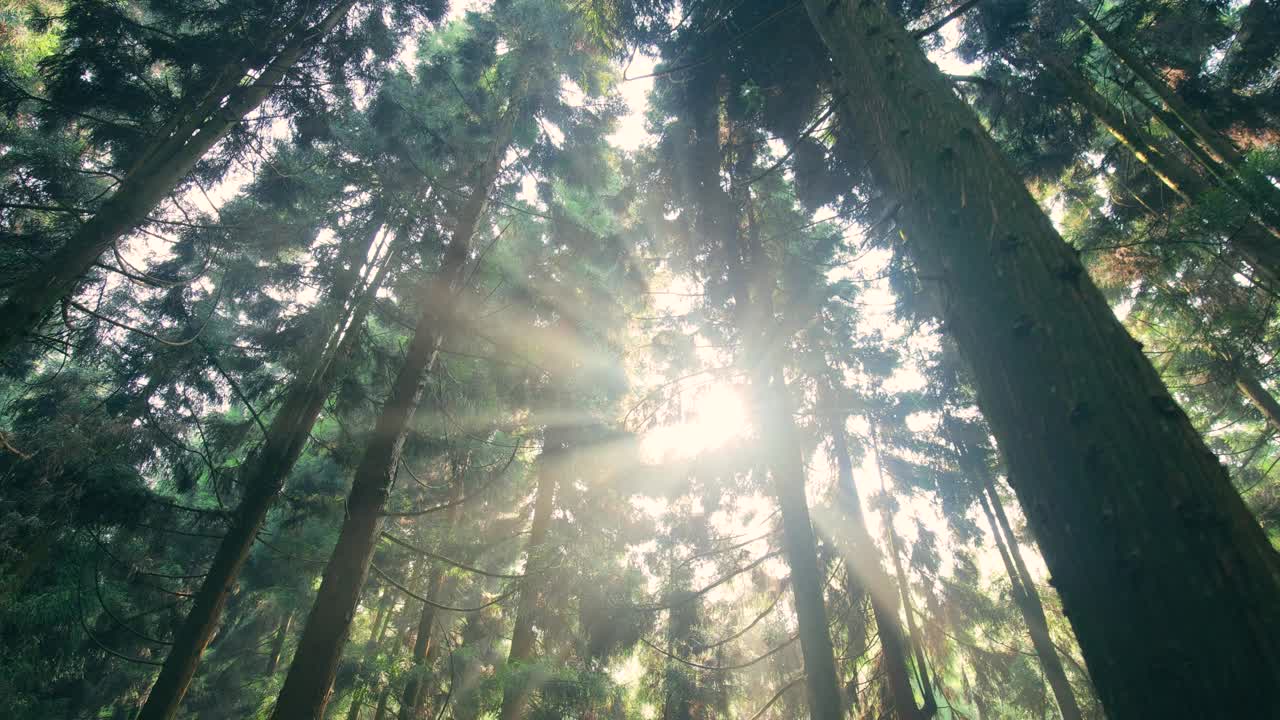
(715, 414)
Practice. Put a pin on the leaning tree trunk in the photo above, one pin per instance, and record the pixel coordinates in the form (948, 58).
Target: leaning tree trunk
(145, 185)
(1255, 242)
(1219, 156)
(1219, 148)
(306, 688)
(360, 689)
(263, 478)
(1259, 396)
(862, 559)
(1166, 577)
(555, 448)
(1033, 614)
(1026, 596)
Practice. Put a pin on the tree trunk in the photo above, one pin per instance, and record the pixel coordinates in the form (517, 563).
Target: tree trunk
(1261, 398)
(863, 560)
(1256, 242)
(411, 701)
(357, 700)
(1221, 158)
(263, 478)
(277, 645)
(808, 583)
(749, 271)
(555, 447)
(1137, 520)
(381, 712)
(143, 188)
(914, 638)
(1219, 148)
(306, 688)
(1033, 614)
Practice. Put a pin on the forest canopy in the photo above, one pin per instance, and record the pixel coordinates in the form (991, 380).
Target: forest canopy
(639, 359)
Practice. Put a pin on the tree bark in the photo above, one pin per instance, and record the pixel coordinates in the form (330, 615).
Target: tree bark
(808, 583)
(1137, 520)
(555, 447)
(145, 185)
(263, 478)
(753, 283)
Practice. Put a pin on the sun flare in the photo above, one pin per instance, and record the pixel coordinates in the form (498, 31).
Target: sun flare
(716, 414)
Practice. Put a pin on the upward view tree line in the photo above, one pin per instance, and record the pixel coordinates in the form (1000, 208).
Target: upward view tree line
(363, 360)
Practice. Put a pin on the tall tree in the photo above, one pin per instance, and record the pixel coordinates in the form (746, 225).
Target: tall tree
(1039, 335)
(199, 115)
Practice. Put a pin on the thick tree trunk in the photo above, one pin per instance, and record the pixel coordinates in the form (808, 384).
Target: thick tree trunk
(555, 449)
(1256, 242)
(1033, 614)
(263, 478)
(306, 688)
(277, 645)
(1137, 520)
(863, 561)
(145, 186)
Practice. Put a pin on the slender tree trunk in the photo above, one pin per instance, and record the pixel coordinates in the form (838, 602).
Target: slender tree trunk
(1037, 626)
(808, 583)
(277, 645)
(1256, 242)
(1261, 398)
(914, 639)
(748, 270)
(1220, 149)
(381, 712)
(863, 560)
(1136, 518)
(306, 688)
(143, 188)
(1221, 158)
(263, 478)
(411, 701)
(555, 449)
(381, 618)
(357, 700)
